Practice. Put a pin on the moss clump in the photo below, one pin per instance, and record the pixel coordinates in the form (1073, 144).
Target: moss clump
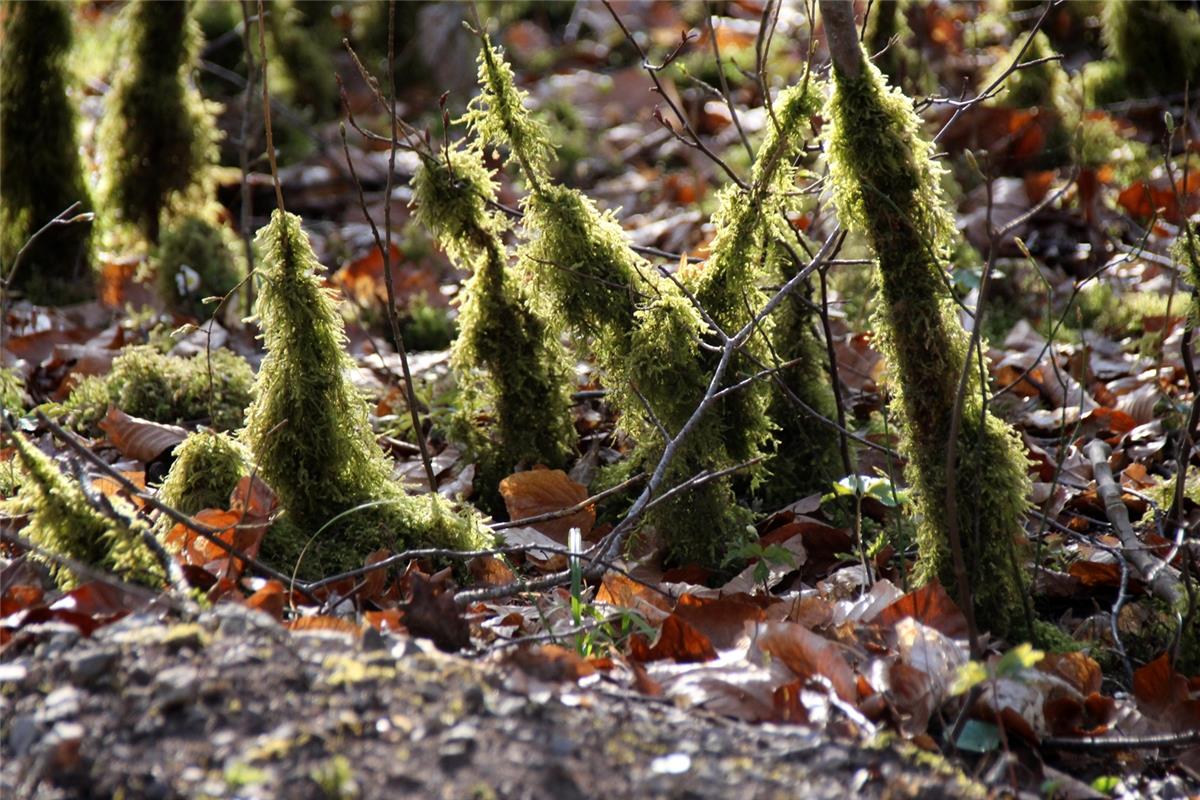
(1186, 251)
(12, 391)
(886, 186)
(207, 468)
(509, 366)
(146, 383)
(63, 523)
(1154, 47)
(308, 431)
(644, 334)
(196, 259)
(39, 155)
(157, 135)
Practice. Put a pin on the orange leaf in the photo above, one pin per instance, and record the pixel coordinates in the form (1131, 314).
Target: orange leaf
(722, 619)
(551, 662)
(324, 622)
(1078, 669)
(930, 605)
(677, 640)
(540, 491)
(140, 438)
(270, 598)
(806, 654)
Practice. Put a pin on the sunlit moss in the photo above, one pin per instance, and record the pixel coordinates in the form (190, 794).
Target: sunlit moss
(885, 186)
(62, 522)
(308, 430)
(207, 468)
(1186, 252)
(196, 259)
(39, 156)
(1098, 307)
(12, 391)
(513, 372)
(146, 383)
(1155, 45)
(303, 37)
(157, 135)
(1042, 85)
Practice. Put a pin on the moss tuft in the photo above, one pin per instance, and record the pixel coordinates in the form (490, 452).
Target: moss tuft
(510, 367)
(885, 186)
(207, 468)
(309, 434)
(302, 37)
(145, 383)
(196, 259)
(39, 155)
(63, 523)
(1155, 48)
(12, 392)
(888, 38)
(157, 135)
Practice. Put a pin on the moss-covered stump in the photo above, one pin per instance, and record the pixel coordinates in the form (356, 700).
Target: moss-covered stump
(886, 187)
(62, 523)
(39, 156)
(196, 259)
(512, 371)
(208, 387)
(157, 136)
(309, 435)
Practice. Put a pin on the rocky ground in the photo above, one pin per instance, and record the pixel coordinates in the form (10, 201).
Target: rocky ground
(234, 705)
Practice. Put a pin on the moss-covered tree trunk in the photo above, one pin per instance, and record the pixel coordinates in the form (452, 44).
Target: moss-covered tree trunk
(157, 136)
(886, 188)
(40, 172)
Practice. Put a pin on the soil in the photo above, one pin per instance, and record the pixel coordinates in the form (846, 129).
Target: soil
(234, 705)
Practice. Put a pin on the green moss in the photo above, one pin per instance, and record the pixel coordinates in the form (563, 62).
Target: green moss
(1186, 252)
(62, 522)
(888, 39)
(145, 383)
(303, 38)
(426, 326)
(1098, 307)
(196, 259)
(513, 372)
(1154, 44)
(12, 392)
(39, 156)
(886, 187)
(157, 135)
(309, 434)
(1041, 85)
(207, 468)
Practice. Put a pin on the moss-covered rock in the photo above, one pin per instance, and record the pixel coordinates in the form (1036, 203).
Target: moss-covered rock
(63, 523)
(886, 187)
(308, 430)
(513, 371)
(157, 136)
(39, 155)
(196, 259)
(146, 383)
(206, 470)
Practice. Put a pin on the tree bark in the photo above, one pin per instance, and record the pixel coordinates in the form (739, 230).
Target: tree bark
(842, 36)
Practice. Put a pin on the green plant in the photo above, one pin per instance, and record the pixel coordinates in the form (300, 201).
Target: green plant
(886, 187)
(207, 468)
(509, 366)
(39, 156)
(146, 383)
(12, 391)
(63, 523)
(196, 259)
(1154, 48)
(764, 558)
(308, 431)
(157, 135)
(426, 326)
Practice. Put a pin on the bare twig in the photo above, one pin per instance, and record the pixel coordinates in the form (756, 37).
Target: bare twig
(266, 98)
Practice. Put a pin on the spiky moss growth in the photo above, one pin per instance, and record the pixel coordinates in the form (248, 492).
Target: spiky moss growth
(888, 39)
(146, 383)
(63, 523)
(308, 430)
(885, 185)
(39, 155)
(744, 254)
(1037, 86)
(303, 38)
(207, 467)
(1154, 49)
(1186, 251)
(507, 363)
(157, 135)
(12, 391)
(644, 333)
(196, 259)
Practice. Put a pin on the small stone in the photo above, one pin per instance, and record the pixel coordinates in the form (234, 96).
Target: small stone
(177, 686)
(87, 666)
(61, 704)
(23, 733)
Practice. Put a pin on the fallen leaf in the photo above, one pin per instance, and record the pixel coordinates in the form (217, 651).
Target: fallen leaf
(806, 654)
(541, 491)
(139, 438)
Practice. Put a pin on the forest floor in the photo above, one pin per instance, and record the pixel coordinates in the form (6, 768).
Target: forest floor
(233, 705)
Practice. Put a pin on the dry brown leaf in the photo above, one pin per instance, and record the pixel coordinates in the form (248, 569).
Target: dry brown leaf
(807, 654)
(541, 491)
(139, 438)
